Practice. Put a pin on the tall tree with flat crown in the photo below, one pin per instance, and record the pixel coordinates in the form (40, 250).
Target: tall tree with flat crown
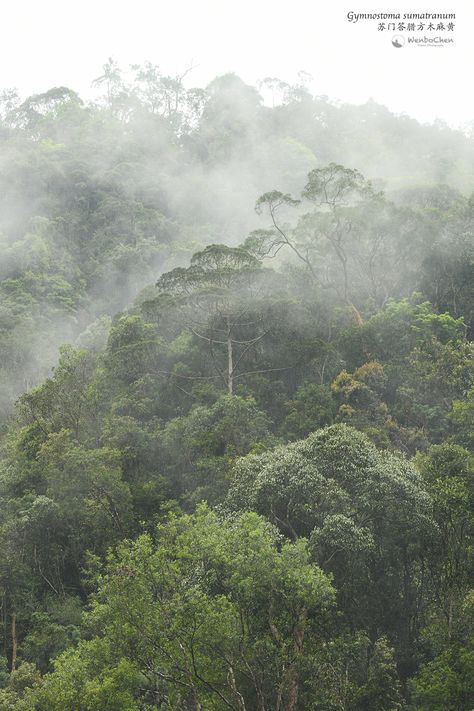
(217, 294)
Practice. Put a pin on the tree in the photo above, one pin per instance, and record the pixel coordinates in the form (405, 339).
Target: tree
(462, 417)
(382, 690)
(166, 96)
(196, 451)
(65, 401)
(311, 408)
(112, 80)
(48, 107)
(335, 192)
(347, 236)
(366, 514)
(14, 697)
(448, 470)
(218, 292)
(217, 614)
(445, 682)
(63, 501)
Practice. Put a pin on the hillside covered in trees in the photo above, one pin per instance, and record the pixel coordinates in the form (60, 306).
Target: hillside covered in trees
(236, 402)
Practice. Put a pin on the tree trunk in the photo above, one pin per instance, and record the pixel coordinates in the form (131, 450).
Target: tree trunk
(5, 624)
(450, 618)
(235, 691)
(230, 360)
(298, 636)
(357, 315)
(14, 641)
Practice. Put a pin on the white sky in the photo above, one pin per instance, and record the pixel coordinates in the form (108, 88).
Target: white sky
(47, 43)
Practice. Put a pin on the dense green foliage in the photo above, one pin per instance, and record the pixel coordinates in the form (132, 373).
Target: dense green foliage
(248, 482)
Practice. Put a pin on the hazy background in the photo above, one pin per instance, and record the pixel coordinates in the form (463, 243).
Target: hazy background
(53, 43)
(98, 197)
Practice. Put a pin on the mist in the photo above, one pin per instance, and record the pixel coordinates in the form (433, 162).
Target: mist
(98, 198)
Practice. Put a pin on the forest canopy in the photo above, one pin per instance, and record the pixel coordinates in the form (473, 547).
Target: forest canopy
(236, 401)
